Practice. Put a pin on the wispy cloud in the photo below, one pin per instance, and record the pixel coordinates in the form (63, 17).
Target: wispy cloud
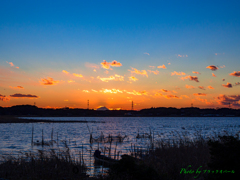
(201, 87)
(199, 94)
(146, 53)
(179, 55)
(132, 78)
(203, 100)
(223, 79)
(195, 72)
(178, 73)
(92, 65)
(113, 91)
(154, 72)
(212, 67)
(48, 81)
(237, 83)
(163, 67)
(107, 65)
(71, 81)
(235, 73)
(143, 72)
(18, 95)
(210, 87)
(152, 67)
(139, 93)
(77, 75)
(164, 90)
(64, 71)
(116, 77)
(228, 85)
(190, 87)
(86, 91)
(214, 75)
(18, 87)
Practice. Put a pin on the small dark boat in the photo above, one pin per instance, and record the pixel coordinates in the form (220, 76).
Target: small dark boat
(103, 159)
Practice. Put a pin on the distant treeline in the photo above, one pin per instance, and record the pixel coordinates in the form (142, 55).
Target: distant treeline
(29, 110)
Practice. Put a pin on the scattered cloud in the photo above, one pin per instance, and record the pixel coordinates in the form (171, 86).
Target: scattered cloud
(152, 67)
(191, 78)
(164, 90)
(222, 66)
(143, 72)
(113, 91)
(154, 72)
(203, 100)
(210, 87)
(235, 73)
(71, 81)
(132, 78)
(95, 70)
(18, 87)
(112, 78)
(77, 75)
(214, 75)
(18, 95)
(199, 94)
(228, 85)
(4, 98)
(170, 96)
(86, 91)
(163, 67)
(139, 93)
(48, 81)
(106, 72)
(12, 65)
(94, 90)
(146, 53)
(195, 72)
(185, 96)
(107, 65)
(234, 100)
(92, 65)
(179, 55)
(212, 67)
(201, 87)
(169, 63)
(190, 87)
(223, 79)
(237, 83)
(65, 72)
(178, 73)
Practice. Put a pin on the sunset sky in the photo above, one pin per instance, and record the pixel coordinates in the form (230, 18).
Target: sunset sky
(154, 53)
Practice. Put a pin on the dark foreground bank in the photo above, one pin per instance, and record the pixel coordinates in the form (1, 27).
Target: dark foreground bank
(217, 158)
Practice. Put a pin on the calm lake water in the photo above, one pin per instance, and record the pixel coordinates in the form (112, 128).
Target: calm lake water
(16, 138)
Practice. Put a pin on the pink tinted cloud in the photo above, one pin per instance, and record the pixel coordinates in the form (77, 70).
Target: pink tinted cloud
(164, 90)
(195, 72)
(64, 71)
(228, 85)
(18, 95)
(235, 73)
(77, 75)
(212, 67)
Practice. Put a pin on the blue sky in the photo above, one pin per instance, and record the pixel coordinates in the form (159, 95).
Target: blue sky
(46, 37)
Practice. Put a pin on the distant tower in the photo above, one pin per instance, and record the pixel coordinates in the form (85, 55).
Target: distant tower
(191, 104)
(34, 103)
(229, 104)
(87, 104)
(132, 105)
